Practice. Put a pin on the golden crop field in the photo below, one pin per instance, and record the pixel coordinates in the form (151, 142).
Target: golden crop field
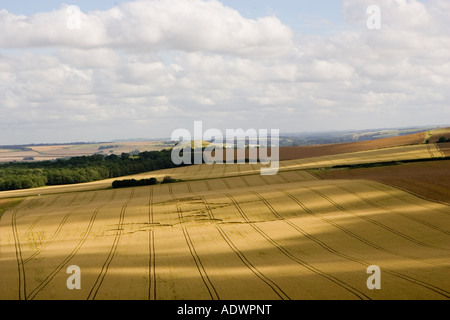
(288, 236)
(287, 168)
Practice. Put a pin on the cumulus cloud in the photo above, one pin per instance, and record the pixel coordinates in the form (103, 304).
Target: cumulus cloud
(149, 67)
(193, 25)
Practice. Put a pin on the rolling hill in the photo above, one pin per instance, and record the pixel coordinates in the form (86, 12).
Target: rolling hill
(227, 232)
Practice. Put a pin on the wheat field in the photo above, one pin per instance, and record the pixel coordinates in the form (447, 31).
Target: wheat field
(287, 236)
(288, 169)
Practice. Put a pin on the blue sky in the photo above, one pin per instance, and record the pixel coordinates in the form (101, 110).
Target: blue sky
(150, 67)
(300, 15)
(306, 16)
(28, 7)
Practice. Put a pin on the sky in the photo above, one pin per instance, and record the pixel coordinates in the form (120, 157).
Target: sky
(100, 70)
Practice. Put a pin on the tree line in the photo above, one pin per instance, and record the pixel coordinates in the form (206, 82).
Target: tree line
(24, 175)
(143, 182)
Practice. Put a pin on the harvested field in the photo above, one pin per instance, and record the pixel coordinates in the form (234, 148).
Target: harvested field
(51, 152)
(218, 171)
(228, 232)
(434, 135)
(428, 179)
(239, 239)
(301, 152)
(206, 171)
(422, 151)
(445, 148)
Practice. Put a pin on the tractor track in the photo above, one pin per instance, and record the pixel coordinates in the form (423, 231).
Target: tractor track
(198, 262)
(272, 285)
(58, 268)
(431, 287)
(99, 281)
(289, 255)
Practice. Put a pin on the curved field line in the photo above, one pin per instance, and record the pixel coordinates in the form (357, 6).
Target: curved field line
(272, 285)
(20, 267)
(306, 234)
(409, 192)
(264, 180)
(171, 192)
(245, 182)
(27, 204)
(335, 252)
(224, 168)
(151, 249)
(439, 150)
(213, 165)
(381, 225)
(74, 199)
(429, 151)
(58, 230)
(289, 255)
(284, 178)
(199, 169)
(31, 227)
(186, 170)
(49, 278)
(369, 202)
(208, 185)
(413, 280)
(54, 200)
(361, 239)
(275, 288)
(31, 203)
(226, 183)
(201, 269)
(112, 252)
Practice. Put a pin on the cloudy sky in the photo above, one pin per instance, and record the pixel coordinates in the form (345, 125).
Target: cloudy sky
(100, 70)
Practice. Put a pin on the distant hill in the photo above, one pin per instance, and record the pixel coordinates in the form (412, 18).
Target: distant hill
(300, 152)
(332, 137)
(309, 151)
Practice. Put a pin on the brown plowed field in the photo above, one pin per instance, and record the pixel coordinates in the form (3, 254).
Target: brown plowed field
(427, 179)
(434, 135)
(302, 152)
(288, 153)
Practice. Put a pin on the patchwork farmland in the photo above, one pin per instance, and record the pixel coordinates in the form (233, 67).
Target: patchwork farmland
(227, 232)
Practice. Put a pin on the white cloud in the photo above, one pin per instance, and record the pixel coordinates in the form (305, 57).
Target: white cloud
(192, 25)
(148, 67)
